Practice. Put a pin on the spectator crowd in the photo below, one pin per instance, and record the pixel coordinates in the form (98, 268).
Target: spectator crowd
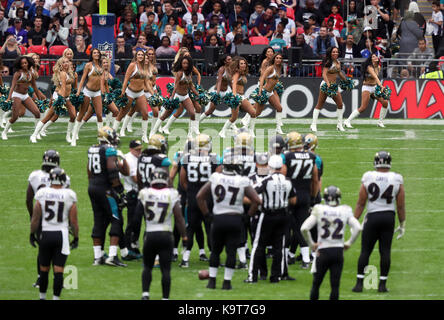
(357, 27)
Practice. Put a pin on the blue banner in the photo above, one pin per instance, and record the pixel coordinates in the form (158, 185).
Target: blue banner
(103, 27)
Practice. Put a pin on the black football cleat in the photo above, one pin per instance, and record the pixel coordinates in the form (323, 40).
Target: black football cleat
(305, 265)
(382, 288)
(242, 265)
(211, 283)
(274, 279)
(184, 264)
(227, 285)
(357, 287)
(287, 277)
(203, 257)
(37, 283)
(99, 262)
(115, 262)
(250, 281)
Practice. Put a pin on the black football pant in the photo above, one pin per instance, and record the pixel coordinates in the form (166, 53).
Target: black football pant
(157, 243)
(328, 259)
(225, 233)
(135, 214)
(378, 226)
(300, 212)
(271, 229)
(262, 265)
(195, 219)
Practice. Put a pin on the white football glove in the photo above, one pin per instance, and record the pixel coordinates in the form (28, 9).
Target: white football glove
(401, 230)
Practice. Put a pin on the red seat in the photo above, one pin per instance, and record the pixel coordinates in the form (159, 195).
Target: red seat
(88, 21)
(22, 50)
(290, 13)
(176, 48)
(259, 40)
(198, 48)
(40, 50)
(57, 50)
(318, 69)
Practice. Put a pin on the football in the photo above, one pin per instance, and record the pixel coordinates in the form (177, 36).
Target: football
(203, 274)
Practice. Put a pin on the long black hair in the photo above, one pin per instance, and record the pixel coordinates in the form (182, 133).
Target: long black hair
(367, 63)
(91, 55)
(18, 63)
(328, 60)
(178, 66)
(263, 55)
(221, 62)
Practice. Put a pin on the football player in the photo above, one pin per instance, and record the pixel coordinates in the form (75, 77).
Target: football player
(302, 170)
(243, 152)
(54, 211)
(106, 194)
(160, 203)
(39, 179)
(330, 220)
(380, 189)
(227, 189)
(175, 169)
(276, 145)
(196, 169)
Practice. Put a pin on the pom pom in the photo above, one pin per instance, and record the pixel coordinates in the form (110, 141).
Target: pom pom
(5, 105)
(107, 98)
(215, 97)
(279, 88)
(30, 91)
(156, 100)
(233, 101)
(42, 105)
(261, 99)
(383, 92)
(330, 91)
(346, 84)
(115, 84)
(159, 91)
(120, 102)
(60, 106)
(4, 90)
(170, 88)
(170, 104)
(76, 101)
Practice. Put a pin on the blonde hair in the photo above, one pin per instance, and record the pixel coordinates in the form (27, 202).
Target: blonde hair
(180, 53)
(58, 67)
(66, 51)
(107, 60)
(235, 66)
(144, 69)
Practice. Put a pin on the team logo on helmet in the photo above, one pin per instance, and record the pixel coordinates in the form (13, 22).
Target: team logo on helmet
(310, 141)
(294, 140)
(158, 142)
(108, 135)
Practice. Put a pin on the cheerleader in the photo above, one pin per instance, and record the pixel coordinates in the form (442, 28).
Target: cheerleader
(63, 80)
(92, 91)
(222, 84)
(183, 83)
(371, 69)
(51, 116)
(238, 71)
(150, 89)
(137, 76)
(18, 93)
(113, 111)
(268, 80)
(265, 58)
(197, 108)
(330, 71)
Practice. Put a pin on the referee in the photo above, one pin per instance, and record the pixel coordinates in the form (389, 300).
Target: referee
(277, 193)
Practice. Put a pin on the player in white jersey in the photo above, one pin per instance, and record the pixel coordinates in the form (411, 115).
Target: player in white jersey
(227, 190)
(379, 189)
(54, 211)
(160, 203)
(40, 179)
(330, 219)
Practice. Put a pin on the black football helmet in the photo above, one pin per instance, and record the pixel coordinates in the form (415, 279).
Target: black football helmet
(332, 196)
(51, 159)
(276, 145)
(159, 177)
(383, 159)
(57, 176)
(231, 164)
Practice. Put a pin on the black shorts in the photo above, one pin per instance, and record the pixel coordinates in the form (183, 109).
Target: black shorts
(50, 249)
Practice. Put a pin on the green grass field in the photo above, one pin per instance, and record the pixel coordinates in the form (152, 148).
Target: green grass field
(416, 270)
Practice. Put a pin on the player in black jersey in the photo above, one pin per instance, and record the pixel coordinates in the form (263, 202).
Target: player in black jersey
(196, 169)
(303, 173)
(106, 194)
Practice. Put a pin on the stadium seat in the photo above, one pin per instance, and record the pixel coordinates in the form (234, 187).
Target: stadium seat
(290, 13)
(40, 50)
(23, 49)
(57, 50)
(258, 40)
(89, 23)
(176, 48)
(318, 69)
(198, 48)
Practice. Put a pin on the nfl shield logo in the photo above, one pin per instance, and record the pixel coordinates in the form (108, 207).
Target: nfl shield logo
(106, 49)
(102, 21)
